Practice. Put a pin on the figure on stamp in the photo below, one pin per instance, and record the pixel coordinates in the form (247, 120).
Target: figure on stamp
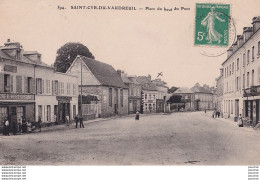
(209, 21)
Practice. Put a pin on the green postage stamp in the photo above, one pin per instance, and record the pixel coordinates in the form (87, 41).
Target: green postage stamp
(212, 24)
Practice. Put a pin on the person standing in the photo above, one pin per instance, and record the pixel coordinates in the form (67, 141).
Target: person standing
(240, 121)
(77, 120)
(4, 129)
(40, 124)
(14, 127)
(137, 115)
(81, 121)
(7, 127)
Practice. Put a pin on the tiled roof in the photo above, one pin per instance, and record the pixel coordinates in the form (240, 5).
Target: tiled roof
(183, 90)
(104, 73)
(200, 90)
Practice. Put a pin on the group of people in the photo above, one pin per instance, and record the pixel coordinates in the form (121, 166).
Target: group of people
(79, 119)
(216, 114)
(19, 126)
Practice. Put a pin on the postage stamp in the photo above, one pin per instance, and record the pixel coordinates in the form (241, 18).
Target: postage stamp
(212, 24)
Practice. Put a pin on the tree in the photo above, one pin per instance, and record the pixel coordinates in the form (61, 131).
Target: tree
(172, 89)
(67, 54)
(175, 99)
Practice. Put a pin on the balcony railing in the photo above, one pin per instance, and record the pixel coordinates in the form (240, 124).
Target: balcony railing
(252, 91)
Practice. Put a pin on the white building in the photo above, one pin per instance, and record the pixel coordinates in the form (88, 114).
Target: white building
(242, 75)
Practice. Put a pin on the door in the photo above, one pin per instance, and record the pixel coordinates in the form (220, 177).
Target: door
(13, 117)
(237, 108)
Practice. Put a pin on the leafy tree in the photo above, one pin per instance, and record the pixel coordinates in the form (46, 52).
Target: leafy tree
(67, 54)
(172, 89)
(175, 99)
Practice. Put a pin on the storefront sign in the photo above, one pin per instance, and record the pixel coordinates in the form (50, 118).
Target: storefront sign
(9, 96)
(9, 68)
(64, 99)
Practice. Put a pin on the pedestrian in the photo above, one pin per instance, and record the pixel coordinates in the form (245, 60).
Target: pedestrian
(24, 126)
(4, 129)
(81, 121)
(77, 120)
(7, 128)
(40, 123)
(67, 120)
(137, 115)
(240, 121)
(29, 126)
(19, 125)
(218, 114)
(214, 114)
(14, 127)
(205, 110)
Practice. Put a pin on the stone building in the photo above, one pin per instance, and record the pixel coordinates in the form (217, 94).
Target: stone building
(102, 81)
(187, 98)
(31, 89)
(242, 75)
(162, 91)
(203, 97)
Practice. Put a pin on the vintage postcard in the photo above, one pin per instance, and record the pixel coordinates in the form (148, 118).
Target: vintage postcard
(88, 83)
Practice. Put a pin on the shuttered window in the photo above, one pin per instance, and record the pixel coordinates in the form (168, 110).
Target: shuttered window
(19, 84)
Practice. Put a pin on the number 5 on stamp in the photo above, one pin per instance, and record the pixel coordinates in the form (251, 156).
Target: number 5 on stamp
(212, 24)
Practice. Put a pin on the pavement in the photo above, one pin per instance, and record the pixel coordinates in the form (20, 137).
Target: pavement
(189, 138)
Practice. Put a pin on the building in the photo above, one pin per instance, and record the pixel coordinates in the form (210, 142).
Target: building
(162, 91)
(219, 92)
(31, 89)
(187, 98)
(242, 75)
(135, 93)
(203, 97)
(102, 81)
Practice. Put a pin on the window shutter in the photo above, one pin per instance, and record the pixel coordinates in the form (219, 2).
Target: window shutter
(42, 86)
(11, 84)
(19, 84)
(33, 86)
(25, 84)
(1, 82)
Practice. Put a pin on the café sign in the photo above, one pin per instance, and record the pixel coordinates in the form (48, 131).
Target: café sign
(8, 96)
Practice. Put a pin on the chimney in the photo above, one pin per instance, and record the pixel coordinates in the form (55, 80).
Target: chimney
(240, 40)
(235, 46)
(33, 55)
(8, 40)
(256, 23)
(229, 52)
(149, 77)
(13, 49)
(247, 32)
(119, 72)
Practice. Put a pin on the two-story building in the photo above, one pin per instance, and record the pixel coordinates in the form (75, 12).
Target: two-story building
(101, 80)
(242, 75)
(162, 91)
(187, 98)
(31, 89)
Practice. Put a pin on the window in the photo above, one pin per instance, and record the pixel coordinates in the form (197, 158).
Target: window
(231, 106)
(248, 56)
(62, 88)
(253, 53)
(253, 77)
(20, 112)
(38, 85)
(68, 88)
(247, 79)
(237, 88)
(154, 96)
(110, 97)
(232, 67)
(55, 87)
(40, 112)
(74, 89)
(145, 96)
(48, 86)
(48, 113)
(150, 96)
(121, 98)
(7, 83)
(19, 84)
(243, 81)
(244, 59)
(225, 72)
(3, 114)
(237, 63)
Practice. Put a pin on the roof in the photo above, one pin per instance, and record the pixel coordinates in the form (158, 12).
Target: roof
(125, 79)
(104, 73)
(200, 89)
(143, 79)
(30, 52)
(149, 87)
(133, 79)
(183, 90)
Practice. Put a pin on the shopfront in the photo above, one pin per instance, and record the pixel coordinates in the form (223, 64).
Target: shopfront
(63, 108)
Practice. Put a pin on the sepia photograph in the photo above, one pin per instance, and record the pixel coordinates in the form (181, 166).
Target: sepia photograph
(118, 83)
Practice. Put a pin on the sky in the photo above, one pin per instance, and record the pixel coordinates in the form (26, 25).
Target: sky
(139, 42)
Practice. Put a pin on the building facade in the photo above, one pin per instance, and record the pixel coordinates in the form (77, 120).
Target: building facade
(187, 98)
(219, 92)
(102, 81)
(26, 87)
(242, 75)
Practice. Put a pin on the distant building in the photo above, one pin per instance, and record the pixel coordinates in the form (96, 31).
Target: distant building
(162, 91)
(203, 97)
(102, 81)
(187, 98)
(219, 92)
(242, 76)
(135, 95)
(32, 90)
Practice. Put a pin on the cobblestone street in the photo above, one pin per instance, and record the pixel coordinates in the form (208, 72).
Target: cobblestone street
(191, 138)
